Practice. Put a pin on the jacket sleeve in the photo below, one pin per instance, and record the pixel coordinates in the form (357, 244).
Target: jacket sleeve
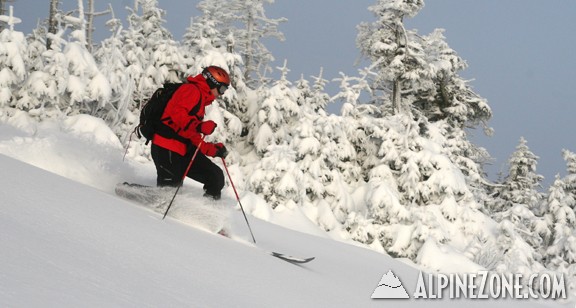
(177, 113)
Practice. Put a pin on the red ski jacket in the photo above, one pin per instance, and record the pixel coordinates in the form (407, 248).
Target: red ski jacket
(183, 113)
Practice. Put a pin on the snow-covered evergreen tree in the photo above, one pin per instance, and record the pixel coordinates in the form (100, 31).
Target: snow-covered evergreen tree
(519, 203)
(570, 179)
(204, 30)
(560, 248)
(420, 195)
(350, 90)
(65, 79)
(35, 89)
(307, 146)
(278, 111)
(36, 47)
(395, 60)
(417, 163)
(248, 37)
(276, 177)
(446, 96)
(209, 41)
(318, 98)
(448, 100)
(112, 64)
(522, 183)
(322, 151)
(560, 215)
(517, 255)
(13, 52)
(422, 73)
(152, 54)
(42, 94)
(87, 87)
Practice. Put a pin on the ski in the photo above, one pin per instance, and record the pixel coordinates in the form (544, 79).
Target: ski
(151, 197)
(291, 259)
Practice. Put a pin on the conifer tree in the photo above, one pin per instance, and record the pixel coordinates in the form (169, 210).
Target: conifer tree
(36, 85)
(519, 202)
(13, 52)
(318, 98)
(387, 44)
(35, 49)
(42, 94)
(152, 54)
(307, 146)
(560, 216)
(570, 179)
(362, 122)
(445, 95)
(422, 72)
(448, 100)
(521, 184)
(321, 157)
(416, 190)
(276, 114)
(517, 255)
(112, 64)
(245, 25)
(276, 178)
(87, 87)
(204, 31)
(559, 211)
(350, 90)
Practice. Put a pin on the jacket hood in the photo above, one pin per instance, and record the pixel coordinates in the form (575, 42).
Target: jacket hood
(200, 82)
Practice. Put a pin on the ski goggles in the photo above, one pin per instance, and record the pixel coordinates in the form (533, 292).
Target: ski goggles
(222, 88)
(213, 83)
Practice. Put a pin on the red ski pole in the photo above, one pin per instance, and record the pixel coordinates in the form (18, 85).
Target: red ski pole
(238, 199)
(184, 176)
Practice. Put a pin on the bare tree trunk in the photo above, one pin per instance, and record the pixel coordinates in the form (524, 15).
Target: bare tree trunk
(90, 24)
(52, 22)
(396, 96)
(3, 11)
(397, 87)
(90, 14)
(249, 59)
(402, 41)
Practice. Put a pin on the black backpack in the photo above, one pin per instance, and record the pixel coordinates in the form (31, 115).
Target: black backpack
(151, 113)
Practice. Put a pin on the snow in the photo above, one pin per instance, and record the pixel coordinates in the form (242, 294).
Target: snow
(68, 241)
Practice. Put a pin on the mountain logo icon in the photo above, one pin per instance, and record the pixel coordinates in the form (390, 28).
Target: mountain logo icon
(390, 287)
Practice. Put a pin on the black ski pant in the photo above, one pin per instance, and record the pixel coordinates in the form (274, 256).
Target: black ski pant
(170, 168)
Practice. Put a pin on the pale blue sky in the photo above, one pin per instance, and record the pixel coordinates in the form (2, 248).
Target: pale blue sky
(519, 54)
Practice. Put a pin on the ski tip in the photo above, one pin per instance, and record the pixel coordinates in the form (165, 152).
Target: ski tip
(292, 259)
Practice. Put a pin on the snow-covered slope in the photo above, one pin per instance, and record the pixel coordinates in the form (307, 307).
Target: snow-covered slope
(70, 242)
(67, 244)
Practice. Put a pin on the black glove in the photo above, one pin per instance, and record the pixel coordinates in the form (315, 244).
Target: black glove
(222, 152)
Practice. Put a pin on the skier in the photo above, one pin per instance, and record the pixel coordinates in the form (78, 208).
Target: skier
(183, 127)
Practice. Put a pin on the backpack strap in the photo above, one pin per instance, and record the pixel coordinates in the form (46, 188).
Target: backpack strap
(167, 132)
